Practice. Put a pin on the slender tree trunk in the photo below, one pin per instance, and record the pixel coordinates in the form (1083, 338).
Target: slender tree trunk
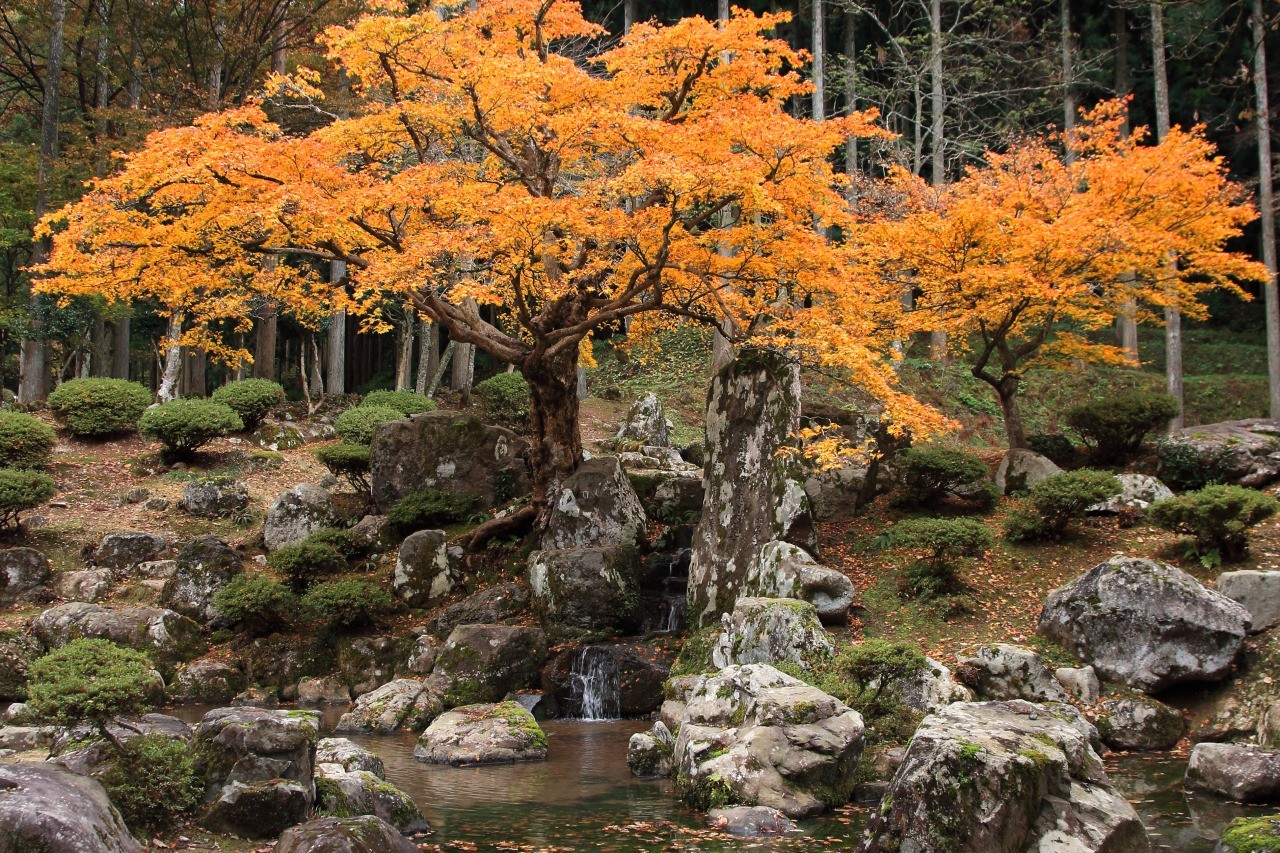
(404, 357)
(937, 338)
(1172, 316)
(102, 89)
(819, 62)
(1126, 320)
(628, 15)
(98, 362)
(337, 345)
(1068, 82)
(172, 360)
(851, 91)
(428, 354)
(1266, 201)
(120, 349)
(33, 385)
(464, 365)
(264, 344)
(445, 360)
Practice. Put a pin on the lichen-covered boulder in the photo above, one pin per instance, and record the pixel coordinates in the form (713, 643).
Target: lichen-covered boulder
(1003, 671)
(482, 734)
(367, 662)
(406, 704)
(376, 531)
(1245, 452)
(930, 688)
(24, 576)
(1020, 469)
(123, 551)
(207, 682)
(596, 507)
(278, 662)
(1137, 492)
(215, 497)
(1145, 624)
(1243, 772)
(168, 637)
(588, 589)
(645, 425)
(51, 810)
(1009, 776)
(205, 565)
(484, 663)
(449, 451)
(755, 736)
(752, 496)
(84, 585)
(489, 606)
(787, 571)
(1139, 724)
(652, 753)
(325, 690)
(1080, 681)
(773, 631)
(349, 793)
(1251, 835)
(363, 834)
(349, 756)
(1258, 592)
(425, 571)
(422, 657)
(83, 749)
(16, 653)
(296, 514)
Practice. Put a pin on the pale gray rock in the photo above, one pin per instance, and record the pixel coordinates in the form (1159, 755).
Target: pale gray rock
(24, 576)
(349, 756)
(296, 514)
(425, 571)
(787, 571)
(1139, 724)
(406, 704)
(482, 734)
(1258, 592)
(215, 497)
(1137, 492)
(1020, 469)
(52, 810)
(205, 566)
(597, 507)
(773, 631)
(750, 821)
(364, 834)
(84, 585)
(169, 637)
(1004, 671)
(1240, 772)
(646, 424)
(1081, 682)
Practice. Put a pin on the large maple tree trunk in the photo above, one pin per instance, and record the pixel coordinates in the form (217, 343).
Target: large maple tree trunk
(555, 437)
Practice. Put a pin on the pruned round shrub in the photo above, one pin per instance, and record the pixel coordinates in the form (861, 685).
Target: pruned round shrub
(431, 508)
(251, 399)
(97, 407)
(348, 462)
(153, 782)
(301, 564)
(1217, 517)
(930, 473)
(946, 543)
(184, 426)
(404, 402)
(356, 425)
(504, 398)
(20, 491)
(1053, 503)
(256, 603)
(342, 542)
(1113, 427)
(347, 603)
(25, 441)
(90, 681)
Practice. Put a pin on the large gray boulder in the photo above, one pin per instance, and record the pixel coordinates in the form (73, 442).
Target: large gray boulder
(787, 571)
(46, 809)
(652, 753)
(1003, 671)
(207, 682)
(364, 834)
(24, 576)
(1241, 772)
(425, 571)
(204, 566)
(1137, 492)
(449, 451)
(215, 497)
(773, 631)
(755, 736)
(597, 507)
(1245, 452)
(482, 734)
(752, 496)
(1020, 469)
(645, 425)
(168, 637)
(589, 589)
(1139, 724)
(123, 551)
(406, 704)
(484, 663)
(349, 756)
(930, 688)
(1258, 592)
(1145, 624)
(1003, 776)
(297, 514)
(83, 585)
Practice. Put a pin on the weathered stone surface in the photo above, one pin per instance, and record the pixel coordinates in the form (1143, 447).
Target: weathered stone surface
(258, 809)
(349, 756)
(364, 834)
(422, 657)
(323, 691)
(83, 750)
(837, 492)
(1139, 724)
(205, 565)
(652, 753)
(646, 424)
(156, 569)
(1003, 671)
(123, 551)
(24, 576)
(486, 662)
(215, 497)
(488, 606)
(754, 736)
(597, 508)
(16, 652)
(1241, 772)
(377, 531)
(85, 585)
(1137, 492)
(1145, 624)
(773, 631)
(1020, 469)
(1245, 452)
(1081, 682)
(449, 451)
(405, 704)
(296, 514)
(632, 675)
(278, 662)
(1003, 776)
(751, 497)
(482, 734)
(589, 589)
(169, 637)
(367, 662)
(51, 810)
(22, 738)
(787, 571)
(348, 793)
(1258, 592)
(931, 688)
(425, 572)
(750, 821)
(207, 682)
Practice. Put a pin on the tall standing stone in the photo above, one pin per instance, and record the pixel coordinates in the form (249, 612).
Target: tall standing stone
(750, 500)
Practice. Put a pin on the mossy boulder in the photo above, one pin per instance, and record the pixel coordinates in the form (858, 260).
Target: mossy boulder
(494, 733)
(1139, 724)
(774, 631)
(486, 662)
(1251, 835)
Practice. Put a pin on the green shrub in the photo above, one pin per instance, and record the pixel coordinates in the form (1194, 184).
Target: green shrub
(251, 399)
(404, 402)
(22, 490)
(356, 425)
(504, 398)
(90, 681)
(153, 782)
(929, 474)
(1218, 517)
(346, 603)
(184, 426)
(1113, 427)
(349, 462)
(1055, 447)
(1185, 468)
(431, 508)
(256, 603)
(947, 542)
(344, 543)
(96, 407)
(25, 441)
(301, 564)
(1053, 503)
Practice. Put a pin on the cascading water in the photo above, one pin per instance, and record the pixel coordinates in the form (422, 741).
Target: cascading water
(595, 690)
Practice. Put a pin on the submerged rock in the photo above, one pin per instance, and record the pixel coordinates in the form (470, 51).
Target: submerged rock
(750, 821)
(51, 810)
(482, 734)
(1146, 624)
(1009, 776)
(364, 834)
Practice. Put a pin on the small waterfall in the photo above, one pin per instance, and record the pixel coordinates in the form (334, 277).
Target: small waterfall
(595, 692)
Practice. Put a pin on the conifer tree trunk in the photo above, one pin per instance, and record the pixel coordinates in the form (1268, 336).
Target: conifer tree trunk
(1068, 80)
(819, 62)
(1126, 321)
(120, 348)
(404, 357)
(1266, 201)
(938, 338)
(1172, 316)
(336, 367)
